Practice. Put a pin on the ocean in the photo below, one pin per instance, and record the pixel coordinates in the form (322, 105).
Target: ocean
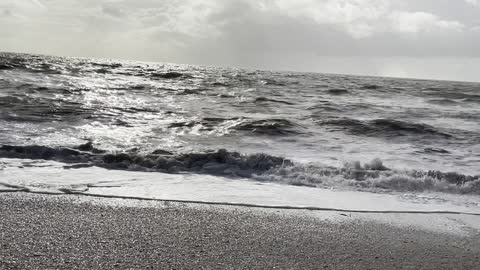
(229, 135)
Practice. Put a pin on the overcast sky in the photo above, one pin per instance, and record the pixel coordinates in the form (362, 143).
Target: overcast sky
(437, 39)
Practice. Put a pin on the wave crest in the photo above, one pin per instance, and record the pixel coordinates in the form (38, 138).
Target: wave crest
(260, 167)
(271, 127)
(383, 128)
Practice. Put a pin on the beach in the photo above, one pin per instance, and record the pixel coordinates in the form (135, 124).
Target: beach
(74, 232)
(119, 164)
(239, 134)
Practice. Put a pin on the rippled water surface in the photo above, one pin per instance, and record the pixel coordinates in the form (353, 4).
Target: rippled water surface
(304, 129)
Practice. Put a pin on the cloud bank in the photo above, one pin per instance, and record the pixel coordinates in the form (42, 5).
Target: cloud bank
(426, 39)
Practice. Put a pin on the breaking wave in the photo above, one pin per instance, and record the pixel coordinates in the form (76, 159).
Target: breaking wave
(259, 167)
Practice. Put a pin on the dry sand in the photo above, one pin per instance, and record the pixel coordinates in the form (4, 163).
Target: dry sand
(69, 232)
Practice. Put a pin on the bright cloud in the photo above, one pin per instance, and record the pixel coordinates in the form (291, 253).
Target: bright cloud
(473, 2)
(414, 22)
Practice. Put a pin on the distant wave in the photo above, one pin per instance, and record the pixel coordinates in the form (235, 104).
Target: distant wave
(4, 66)
(24, 61)
(259, 167)
(443, 101)
(338, 91)
(273, 82)
(370, 87)
(264, 99)
(382, 127)
(433, 150)
(168, 75)
(56, 65)
(452, 95)
(30, 109)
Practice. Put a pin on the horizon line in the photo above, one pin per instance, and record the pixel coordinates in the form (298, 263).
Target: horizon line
(240, 67)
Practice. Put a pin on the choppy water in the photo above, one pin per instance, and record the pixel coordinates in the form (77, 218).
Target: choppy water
(302, 129)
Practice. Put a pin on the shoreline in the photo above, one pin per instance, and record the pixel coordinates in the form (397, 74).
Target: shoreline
(69, 231)
(64, 192)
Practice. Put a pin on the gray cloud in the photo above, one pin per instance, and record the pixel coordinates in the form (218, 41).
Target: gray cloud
(375, 37)
(113, 11)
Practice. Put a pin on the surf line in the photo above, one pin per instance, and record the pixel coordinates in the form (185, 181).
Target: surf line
(248, 205)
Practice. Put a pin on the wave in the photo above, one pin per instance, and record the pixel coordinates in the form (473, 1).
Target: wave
(107, 65)
(382, 127)
(61, 65)
(221, 162)
(375, 175)
(264, 99)
(205, 124)
(31, 63)
(338, 91)
(168, 75)
(260, 167)
(370, 87)
(29, 109)
(443, 102)
(452, 94)
(271, 127)
(268, 126)
(274, 82)
(4, 66)
(433, 150)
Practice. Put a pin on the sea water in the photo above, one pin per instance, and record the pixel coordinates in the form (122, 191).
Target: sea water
(228, 135)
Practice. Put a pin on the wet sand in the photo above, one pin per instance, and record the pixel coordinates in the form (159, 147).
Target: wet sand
(70, 232)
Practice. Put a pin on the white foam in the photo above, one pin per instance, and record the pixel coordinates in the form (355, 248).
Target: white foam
(48, 175)
(396, 209)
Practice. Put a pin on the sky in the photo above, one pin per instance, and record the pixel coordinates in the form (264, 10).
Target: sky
(434, 39)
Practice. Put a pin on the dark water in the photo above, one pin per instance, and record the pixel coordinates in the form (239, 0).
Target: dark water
(295, 128)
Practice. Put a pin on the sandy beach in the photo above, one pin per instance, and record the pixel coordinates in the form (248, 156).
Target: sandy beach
(73, 232)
